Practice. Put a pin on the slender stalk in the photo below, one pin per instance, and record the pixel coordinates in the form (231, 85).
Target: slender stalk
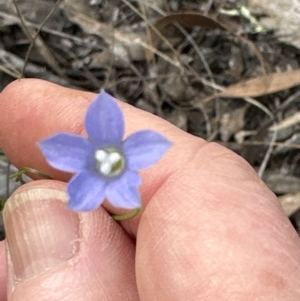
(128, 215)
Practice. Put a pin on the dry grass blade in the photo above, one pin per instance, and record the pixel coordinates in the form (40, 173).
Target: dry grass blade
(32, 70)
(190, 19)
(151, 27)
(36, 40)
(9, 68)
(46, 52)
(256, 87)
(288, 122)
(122, 44)
(15, 20)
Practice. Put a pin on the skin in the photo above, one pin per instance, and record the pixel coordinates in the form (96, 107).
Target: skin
(210, 229)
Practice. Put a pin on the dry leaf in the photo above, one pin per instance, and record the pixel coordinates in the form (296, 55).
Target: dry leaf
(231, 122)
(178, 118)
(261, 85)
(265, 84)
(290, 203)
(175, 86)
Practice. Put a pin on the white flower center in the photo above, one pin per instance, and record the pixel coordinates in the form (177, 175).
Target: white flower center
(110, 162)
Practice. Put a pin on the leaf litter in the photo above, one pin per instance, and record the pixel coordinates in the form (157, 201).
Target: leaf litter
(210, 68)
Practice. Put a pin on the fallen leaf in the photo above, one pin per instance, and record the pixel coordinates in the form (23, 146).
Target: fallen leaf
(260, 85)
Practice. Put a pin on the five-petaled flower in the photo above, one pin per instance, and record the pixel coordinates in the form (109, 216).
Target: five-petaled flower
(105, 166)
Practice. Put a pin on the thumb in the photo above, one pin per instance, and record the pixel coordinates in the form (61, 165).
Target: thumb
(57, 254)
(2, 272)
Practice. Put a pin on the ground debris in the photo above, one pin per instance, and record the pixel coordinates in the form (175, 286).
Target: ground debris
(281, 16)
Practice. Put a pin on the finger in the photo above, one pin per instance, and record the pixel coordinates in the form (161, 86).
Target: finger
(214, 231)
(57, 254)
(191, 197)
(35, 109)
(2, 272)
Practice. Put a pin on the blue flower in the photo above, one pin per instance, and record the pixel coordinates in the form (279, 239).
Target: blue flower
(105, 166)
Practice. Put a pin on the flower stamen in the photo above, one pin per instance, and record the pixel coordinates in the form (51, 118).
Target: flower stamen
(110, 161)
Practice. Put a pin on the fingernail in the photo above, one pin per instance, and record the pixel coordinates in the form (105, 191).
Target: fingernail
(41, 232)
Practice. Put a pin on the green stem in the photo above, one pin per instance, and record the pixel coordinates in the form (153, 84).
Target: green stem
(19, 174)
(128, 215)
(2, 202)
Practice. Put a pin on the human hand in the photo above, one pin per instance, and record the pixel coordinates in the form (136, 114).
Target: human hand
(210, 230)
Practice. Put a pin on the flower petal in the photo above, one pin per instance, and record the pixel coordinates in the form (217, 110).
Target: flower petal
(86, 192)
(124, 192)
(66, 152)
(143, 149)
(104, 121)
